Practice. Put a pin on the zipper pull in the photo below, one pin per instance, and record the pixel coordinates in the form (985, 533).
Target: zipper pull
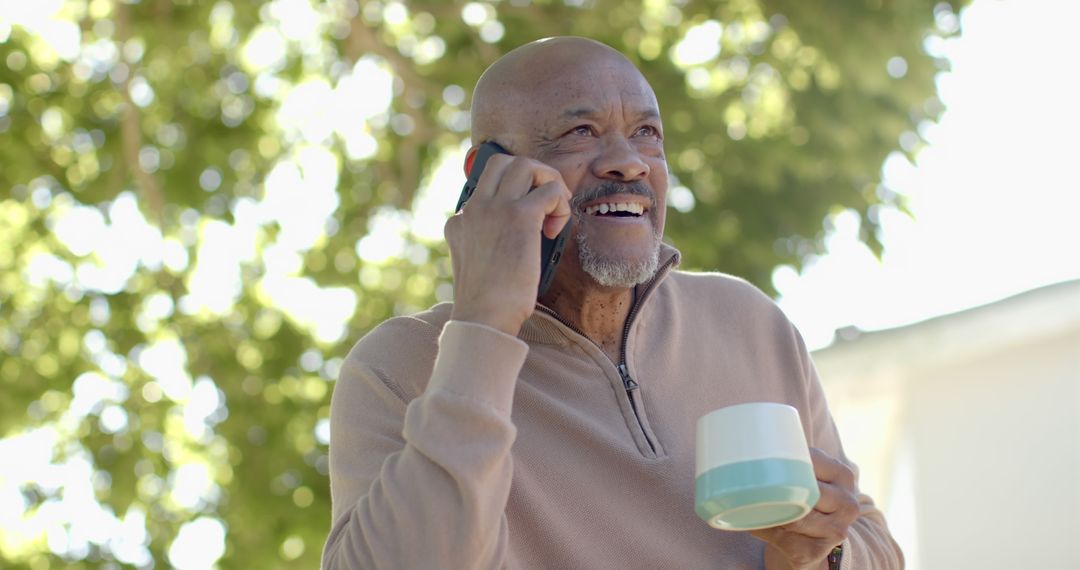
(627, 381)
(835, 557)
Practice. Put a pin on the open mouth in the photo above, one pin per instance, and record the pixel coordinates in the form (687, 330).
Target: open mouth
(616, 209)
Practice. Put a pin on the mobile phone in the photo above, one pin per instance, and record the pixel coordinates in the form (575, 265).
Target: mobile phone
(550, 249)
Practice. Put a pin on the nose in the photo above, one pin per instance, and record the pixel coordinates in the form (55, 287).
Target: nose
(619, 160)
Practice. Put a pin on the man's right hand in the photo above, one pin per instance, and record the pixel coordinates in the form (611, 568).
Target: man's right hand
(495, 240)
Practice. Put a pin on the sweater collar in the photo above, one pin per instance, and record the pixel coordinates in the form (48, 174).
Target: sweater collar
(542, 328)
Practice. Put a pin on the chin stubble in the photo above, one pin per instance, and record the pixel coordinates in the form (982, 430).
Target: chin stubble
(611, 272)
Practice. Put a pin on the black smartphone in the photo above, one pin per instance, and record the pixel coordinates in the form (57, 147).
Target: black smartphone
(550, 249)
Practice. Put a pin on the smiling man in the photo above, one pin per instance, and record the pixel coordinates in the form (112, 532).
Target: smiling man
(504, 430)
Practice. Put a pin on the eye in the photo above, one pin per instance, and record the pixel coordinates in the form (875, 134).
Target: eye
(581, 131)
(647, 131)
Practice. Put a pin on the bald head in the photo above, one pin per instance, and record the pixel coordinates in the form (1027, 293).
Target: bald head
(544, 72)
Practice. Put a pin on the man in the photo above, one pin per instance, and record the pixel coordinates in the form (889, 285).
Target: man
(499, 431)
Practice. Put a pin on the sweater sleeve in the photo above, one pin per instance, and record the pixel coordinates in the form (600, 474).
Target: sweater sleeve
(869, 545)
(425, 485)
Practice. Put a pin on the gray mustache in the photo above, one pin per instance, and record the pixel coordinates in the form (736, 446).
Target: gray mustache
(609, 188)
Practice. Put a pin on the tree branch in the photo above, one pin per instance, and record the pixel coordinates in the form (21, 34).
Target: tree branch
(363, 39)
(131, 128)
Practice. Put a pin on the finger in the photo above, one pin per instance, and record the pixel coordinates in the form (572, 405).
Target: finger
(813, 526)
(831, 470)
(770, 535)
(811, 543)
(553, 199)
(511, 177)
(794, 551)
(830, 519)
(836, 499)
(795, 546)
(523, 176)
(542, 174)
(450, 229)
(494, 168)
(818, 525)
(519, 178)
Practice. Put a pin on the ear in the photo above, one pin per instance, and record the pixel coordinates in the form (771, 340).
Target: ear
(470, 157)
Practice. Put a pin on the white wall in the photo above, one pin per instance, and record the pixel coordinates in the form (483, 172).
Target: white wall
(966, 429)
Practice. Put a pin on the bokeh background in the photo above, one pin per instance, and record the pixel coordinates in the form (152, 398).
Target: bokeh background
(203, 204)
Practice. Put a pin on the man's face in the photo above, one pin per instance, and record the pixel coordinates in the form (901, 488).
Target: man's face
(598, 124)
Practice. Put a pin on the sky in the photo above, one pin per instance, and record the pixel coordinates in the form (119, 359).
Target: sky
(994, 196)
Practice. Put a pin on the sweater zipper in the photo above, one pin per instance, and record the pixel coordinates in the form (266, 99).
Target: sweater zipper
(630, 385)
(624, 372)
(628, 381)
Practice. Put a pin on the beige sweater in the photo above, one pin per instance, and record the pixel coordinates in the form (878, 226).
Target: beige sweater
(454, 445)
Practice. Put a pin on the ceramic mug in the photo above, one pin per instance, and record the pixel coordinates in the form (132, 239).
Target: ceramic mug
(753, 467)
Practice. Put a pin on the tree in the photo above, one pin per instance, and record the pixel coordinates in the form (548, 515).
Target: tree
(205, 203)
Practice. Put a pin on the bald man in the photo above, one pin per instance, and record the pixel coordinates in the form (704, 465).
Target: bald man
(502, 430)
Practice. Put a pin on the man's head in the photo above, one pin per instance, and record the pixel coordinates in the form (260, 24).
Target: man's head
(584, 109)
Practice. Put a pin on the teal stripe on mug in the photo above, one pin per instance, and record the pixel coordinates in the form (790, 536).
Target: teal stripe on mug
(756, 494)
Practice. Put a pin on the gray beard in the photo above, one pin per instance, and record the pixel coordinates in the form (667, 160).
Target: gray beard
(616, 272)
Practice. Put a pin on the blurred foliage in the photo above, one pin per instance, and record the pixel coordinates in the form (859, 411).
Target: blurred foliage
(177, 106)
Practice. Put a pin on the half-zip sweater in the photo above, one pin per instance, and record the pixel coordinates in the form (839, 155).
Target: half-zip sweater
(454, 445)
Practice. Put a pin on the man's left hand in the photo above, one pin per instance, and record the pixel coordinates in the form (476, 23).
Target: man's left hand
(806, 543)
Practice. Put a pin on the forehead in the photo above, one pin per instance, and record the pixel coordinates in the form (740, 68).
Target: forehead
(585, 89)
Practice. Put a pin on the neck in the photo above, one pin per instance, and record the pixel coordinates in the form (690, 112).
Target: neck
(599, 312)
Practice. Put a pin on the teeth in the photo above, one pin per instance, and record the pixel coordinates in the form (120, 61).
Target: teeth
(636, 209)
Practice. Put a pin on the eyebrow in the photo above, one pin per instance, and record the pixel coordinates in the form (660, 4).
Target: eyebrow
(579, 112)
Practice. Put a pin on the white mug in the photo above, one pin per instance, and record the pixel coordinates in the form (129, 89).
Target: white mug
(753, 467)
